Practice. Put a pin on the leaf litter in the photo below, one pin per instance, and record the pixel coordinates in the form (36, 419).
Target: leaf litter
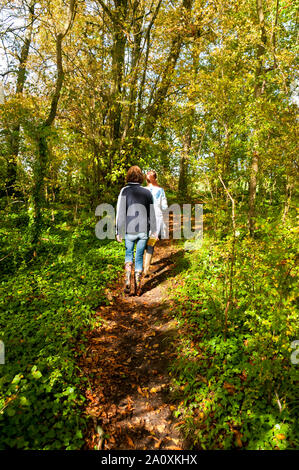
(126, 364)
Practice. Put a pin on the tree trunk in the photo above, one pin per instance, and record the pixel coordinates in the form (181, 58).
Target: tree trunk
(287, 203)
(252, 192)
(155, 107)
(184, 164)
(38, 195)
(259, 88)
(118, 60)
(14, 140)
(41, 163)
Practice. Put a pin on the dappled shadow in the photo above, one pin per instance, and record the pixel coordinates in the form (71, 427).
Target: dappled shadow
(127, 362)
(128, 359)
(165, 268)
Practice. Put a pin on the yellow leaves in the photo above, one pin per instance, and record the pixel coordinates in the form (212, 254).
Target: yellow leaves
(143, 391)
(176, 425)
(173, 448)
(238, 440)
(130, 442)
(112, 440)
(158, 388)
(161, 428)
(281, 437)
(149, 427)
(176, 441)
(158, 444)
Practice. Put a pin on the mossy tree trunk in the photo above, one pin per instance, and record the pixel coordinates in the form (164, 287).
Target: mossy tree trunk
(41, 163)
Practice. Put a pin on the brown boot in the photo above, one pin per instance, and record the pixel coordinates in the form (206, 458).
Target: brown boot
(128, 272)
(138, 276)
(146, 264)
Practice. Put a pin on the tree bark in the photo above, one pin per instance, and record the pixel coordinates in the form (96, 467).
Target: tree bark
(184, 162)
(155, 108)
(259, 88)
(252, 192)
(14, 140)
(288, 197)
(41, 163)
(229, 299)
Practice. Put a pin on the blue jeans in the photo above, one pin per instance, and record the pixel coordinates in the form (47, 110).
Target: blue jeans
(140, 239)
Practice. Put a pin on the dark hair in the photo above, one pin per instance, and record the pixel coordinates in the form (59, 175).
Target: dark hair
(134, 175)
(150, 174)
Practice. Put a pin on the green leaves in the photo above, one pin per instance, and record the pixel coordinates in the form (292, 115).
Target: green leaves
(45, 308)
(245, 385)
(36, 374)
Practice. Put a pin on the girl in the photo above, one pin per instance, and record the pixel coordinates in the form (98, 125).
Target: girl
(160, 201)
(160, 205)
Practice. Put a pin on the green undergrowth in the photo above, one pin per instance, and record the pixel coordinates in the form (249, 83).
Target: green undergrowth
(239, 391)
(47, 303)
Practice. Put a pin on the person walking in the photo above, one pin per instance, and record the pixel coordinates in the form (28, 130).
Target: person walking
(160, 205)
(160, 201)
(135, 221)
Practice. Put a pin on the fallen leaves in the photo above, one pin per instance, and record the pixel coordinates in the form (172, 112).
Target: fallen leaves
(158, 388)
(229, 387)
(158, 444)
(130, 442)
(161, 428)
(123, 360)
(176, 425)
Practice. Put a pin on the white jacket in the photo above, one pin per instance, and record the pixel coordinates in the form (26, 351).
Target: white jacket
(160, 205)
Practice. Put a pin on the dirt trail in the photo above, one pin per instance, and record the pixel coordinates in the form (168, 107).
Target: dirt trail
(126, 364)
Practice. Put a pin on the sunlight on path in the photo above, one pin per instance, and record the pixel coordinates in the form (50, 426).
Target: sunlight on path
(126, 364)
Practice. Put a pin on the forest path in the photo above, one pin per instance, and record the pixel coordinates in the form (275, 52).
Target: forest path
(126, 363)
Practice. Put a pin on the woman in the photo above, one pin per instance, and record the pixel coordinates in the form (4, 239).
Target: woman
(160, 201)
(135, 220)
(160, 205)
